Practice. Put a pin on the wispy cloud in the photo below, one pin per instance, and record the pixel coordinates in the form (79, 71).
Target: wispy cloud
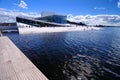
(1, 9)
(99, 8)
(10, 15)
(118, 4)
(97, 19)
(22, 4)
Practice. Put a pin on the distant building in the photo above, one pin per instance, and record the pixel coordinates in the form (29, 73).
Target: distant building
(46, 13)
(46, 19)
(52, 17)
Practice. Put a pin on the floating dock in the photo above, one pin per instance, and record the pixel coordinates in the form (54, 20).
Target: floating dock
(14, 65)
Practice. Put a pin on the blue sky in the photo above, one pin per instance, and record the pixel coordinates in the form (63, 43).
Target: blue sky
(75, 7)
(105, 12)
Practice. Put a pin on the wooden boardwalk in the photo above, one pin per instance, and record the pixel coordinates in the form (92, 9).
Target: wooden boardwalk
(14, 65)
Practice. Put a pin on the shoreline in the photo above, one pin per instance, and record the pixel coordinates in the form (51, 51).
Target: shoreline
(27, 29)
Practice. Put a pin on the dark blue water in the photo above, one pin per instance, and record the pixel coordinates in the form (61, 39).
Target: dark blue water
(84, 55)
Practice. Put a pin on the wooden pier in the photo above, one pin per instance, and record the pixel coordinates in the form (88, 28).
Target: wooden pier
(14, 65)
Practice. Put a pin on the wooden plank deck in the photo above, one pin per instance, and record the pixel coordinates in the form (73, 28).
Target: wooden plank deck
(14, 65)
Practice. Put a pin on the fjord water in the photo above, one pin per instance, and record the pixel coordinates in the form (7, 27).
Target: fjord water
(81, 55)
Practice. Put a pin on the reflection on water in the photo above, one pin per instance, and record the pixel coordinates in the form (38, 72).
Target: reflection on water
(85, 55)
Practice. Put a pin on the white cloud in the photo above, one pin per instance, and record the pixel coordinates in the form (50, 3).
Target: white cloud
(97, 19)
(10, 15)
(99, 8)
(18, 13)
(2, 9)
(22, 4)
(119, 4)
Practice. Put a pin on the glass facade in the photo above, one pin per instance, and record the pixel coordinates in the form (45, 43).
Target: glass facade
(54, 18)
